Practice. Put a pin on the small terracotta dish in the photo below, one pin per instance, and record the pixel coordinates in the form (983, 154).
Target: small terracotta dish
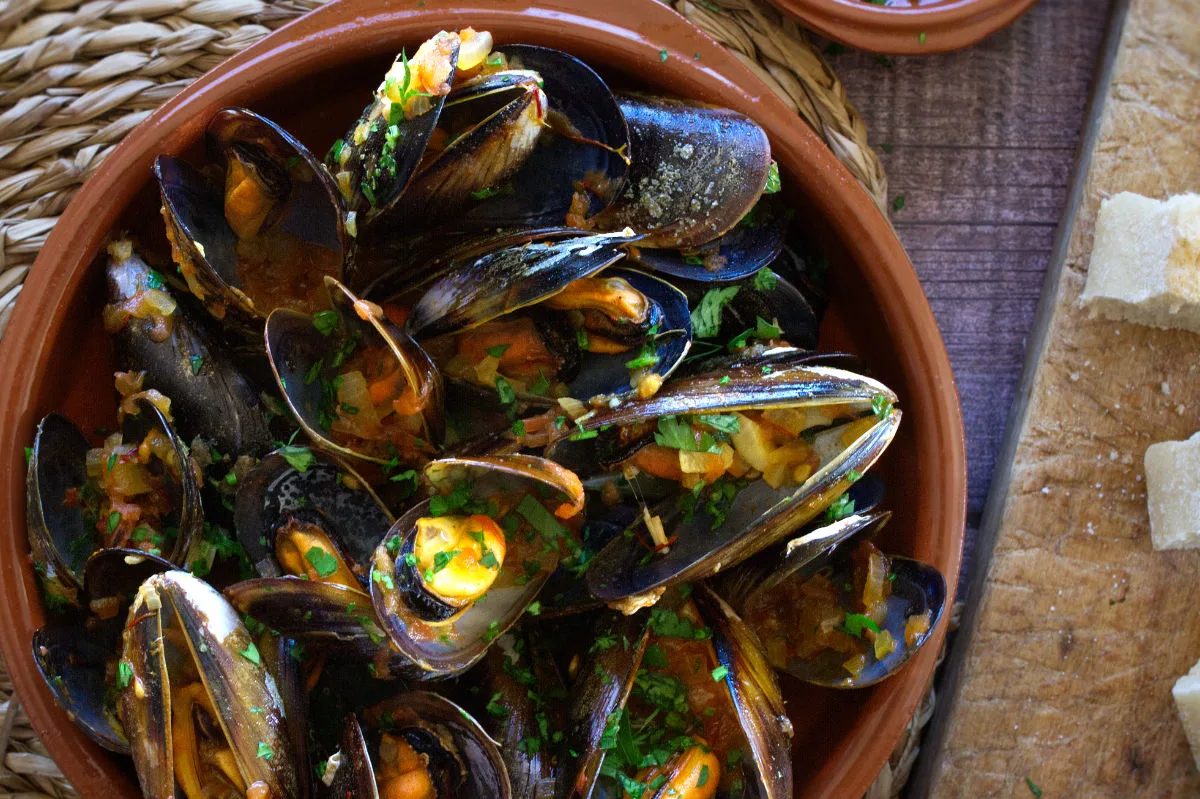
(312, 76)
(906, 27)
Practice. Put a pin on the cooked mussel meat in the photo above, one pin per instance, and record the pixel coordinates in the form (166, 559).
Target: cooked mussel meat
(494, 530)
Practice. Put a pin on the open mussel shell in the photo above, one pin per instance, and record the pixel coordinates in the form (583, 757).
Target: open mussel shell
(279, 258)
(509, 279)
(355, 775)
(442, 640)
(59, 538)
(758, 515)
(182, 632)
(756, 698)
(381, 151)
(598, 695)
(586, 142)
(113, 576)
(463, 761)
(306, 361)
(752, 244)
(759, 354)
(212, 397)
(327, 493)
(915, 589)
(75, 663)
(696, 170)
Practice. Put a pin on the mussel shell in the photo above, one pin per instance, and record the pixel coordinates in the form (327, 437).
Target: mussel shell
(752, 244)
(243, 693)
(542, 189)
(406, 609)
(605, 680)
(295, 348)
(500, 118)
(72, 660)
(756, 697)
(533, 774)
(212, 397)
(185, 494)
(758, 355)
(565, 593)
(451, 737)
(509, 279)
(329, 489)
(195, 209)
(757, 517)
(322, 615)
(363, 156)
(686, 154)
(355, 776)
(282, 657)
(115, 574)
(57, 462)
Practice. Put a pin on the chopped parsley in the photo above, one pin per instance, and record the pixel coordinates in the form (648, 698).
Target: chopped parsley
(265, 752)
(124, 673)
(197, 363)
(325, 563)
(855, 623)
(250, 653)
(881, 406)
(773, 183)
(440, 561)
(299, 458)
(765, 279)
(706, 318)
(325, 321)
(679, 434)
(839, 509)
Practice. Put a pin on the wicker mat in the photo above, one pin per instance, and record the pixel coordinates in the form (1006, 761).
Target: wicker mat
(77, 75)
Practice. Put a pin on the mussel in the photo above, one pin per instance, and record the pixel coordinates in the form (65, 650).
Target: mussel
(857, 615)
(264, 234)
(138, 491)
(199, 707)
(753, 453)
(456, 571)
(213, 396)
(417, 745)
(356, 382)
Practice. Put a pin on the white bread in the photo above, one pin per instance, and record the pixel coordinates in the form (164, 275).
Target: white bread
(1187, 702)
(1145, 264)
(1173, 493)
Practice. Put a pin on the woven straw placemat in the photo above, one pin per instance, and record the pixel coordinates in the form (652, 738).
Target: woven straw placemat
(77, 75)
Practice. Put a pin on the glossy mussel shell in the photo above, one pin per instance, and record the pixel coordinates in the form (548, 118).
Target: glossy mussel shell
(308, 211)
(696, 170)
(302, 359)
(328, 493)
(759, 515)
(59, 538)
(408, 612)
(462, 760)
(211, 394)
(179, 628)
(916, 588)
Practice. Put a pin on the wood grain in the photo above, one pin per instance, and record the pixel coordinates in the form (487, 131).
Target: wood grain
(1082, 628)
(981, 144)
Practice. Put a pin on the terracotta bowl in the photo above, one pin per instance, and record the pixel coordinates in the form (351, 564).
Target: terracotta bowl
(313, 76)
(909, 27)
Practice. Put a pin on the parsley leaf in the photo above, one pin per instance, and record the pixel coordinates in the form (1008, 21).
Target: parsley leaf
(325, 563)
(706, 318)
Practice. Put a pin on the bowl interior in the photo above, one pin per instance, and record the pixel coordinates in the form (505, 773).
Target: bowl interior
(842, 738)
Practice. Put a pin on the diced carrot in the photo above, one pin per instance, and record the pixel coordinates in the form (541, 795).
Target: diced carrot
(659, 461)
(386, 388)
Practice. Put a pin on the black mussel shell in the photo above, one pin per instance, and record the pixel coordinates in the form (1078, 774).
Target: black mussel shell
(308, 213)
(305, 360)
(586, 142)
(603, 684)
(696, 170)
(509, 279)
(212, 397)
(327, 491)
(74, 661)
(59, 538)
(764, 296)
(462, 758)
(751, 245)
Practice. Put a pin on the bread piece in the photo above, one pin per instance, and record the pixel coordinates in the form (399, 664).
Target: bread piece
(1145, 264)
(1187, 702)
(1173, 493)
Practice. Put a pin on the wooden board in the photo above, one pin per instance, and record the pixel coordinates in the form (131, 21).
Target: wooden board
(1080, 629)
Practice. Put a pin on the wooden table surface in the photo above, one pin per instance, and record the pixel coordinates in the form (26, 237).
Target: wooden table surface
(980, 146)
